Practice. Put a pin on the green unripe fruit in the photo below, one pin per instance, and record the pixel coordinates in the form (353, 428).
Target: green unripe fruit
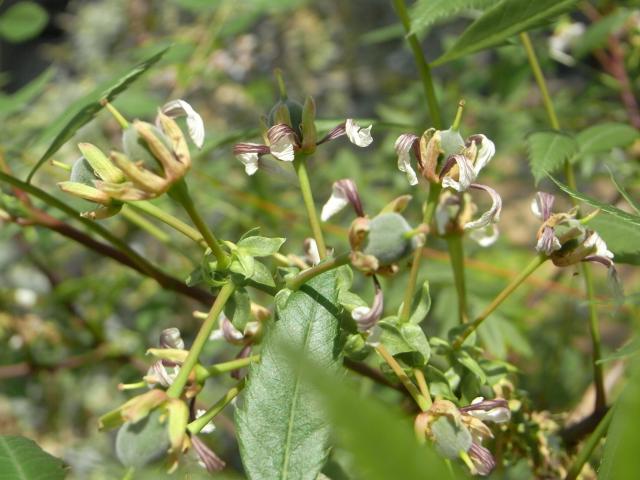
(144, 442)
(81, 172)
(451, 142)
(295, 113)
(387, 239)
(135, 148)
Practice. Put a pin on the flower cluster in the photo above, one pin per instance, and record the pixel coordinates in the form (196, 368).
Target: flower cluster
(155, 158)
(462, 162)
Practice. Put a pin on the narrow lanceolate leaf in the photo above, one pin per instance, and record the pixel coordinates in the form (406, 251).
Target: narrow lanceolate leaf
(425, 13)
(502, 21)
(282, 429)
(378, 437)
(92, 106)
(605, 136)
(23, 459)
(548, 151)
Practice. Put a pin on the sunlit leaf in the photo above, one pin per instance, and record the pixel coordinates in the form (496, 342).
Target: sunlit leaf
(23, 459)
(427, 12)
(92, 106)
(502, 21)
(605, 136)
(282, 430)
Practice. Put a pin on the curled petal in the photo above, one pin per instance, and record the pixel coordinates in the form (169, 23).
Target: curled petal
(366, 318)
(358, 135)
(336, 132)
(180, 108)
(541, 205)
(496, 410)
(446, 211)
(344, 192)
(282, 142)
(482, 459)
(249, 155)
(466, 173)
(490, 216)
(595, 240)
(158, 374)
(226, 331)
(171, 338)
(485, 236)
(548, 242)
(207, 458)
(486, 151)
(404, 144)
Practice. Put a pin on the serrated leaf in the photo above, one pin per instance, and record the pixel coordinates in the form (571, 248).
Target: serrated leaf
(23, 459)
(92, 106)
(379, 439)
(605, 136)
(282, 431)
(261, 246)
(427, 12)
(22, 21)
(502, 21)
(620, 458)
(548, 151)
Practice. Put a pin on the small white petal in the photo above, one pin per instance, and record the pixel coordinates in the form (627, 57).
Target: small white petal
(486, 151)
(485, 236)
(180, 108)
(337, 201)
(535, 208)
(283, 148)
(209, 427)
(495, 415)
(548, 242)
(250, 161)
(466, 175)
(359, 313)
(311, 253)
(403, 147)
(358, 135)
(490, 216)
(601, 247)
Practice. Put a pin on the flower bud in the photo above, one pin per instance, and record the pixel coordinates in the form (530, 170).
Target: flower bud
(389, 238)
(171, 338)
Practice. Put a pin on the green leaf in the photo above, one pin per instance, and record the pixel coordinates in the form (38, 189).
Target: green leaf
(261, 246)
(631, 349)
(548, 151)
(439, 385)
(605, 136)
(23, 21)
(502, 21)
(23, 459)
(632, 203)
(238, 309)
(466, 360)
(262, 275)
(620, 458)
(281, 429)
(427, 12)
(378, 438)
(406, 342)
(243, 264)
(621, 238)
(92, 106)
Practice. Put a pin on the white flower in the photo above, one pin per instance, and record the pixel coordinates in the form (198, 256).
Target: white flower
(358, 135)
(563, 39)
(403, 146)
(226, 331)
(367, 317)
(485, 236)
(490, 216)
(595, 240)
(468, 169)
(209, 427)
(282, 143)
(311, 253)
(180, 108)
(343, 193)
(496, 411)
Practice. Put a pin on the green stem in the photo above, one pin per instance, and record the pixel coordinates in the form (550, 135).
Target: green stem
(141, 222)
(200, 422)
(423, 67)
(303, 277)
(571, 181)
(429, 210)
(175, 390)
(502, 296)
(456, 255)
(594, 329)
(168, 219)
(542, 84)
(423, 402)
(422, 383)
(589, 446)
(220, 368)
(300, 166)
(181, 194)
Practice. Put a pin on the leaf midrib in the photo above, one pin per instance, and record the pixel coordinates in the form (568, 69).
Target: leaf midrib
(13, 459)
